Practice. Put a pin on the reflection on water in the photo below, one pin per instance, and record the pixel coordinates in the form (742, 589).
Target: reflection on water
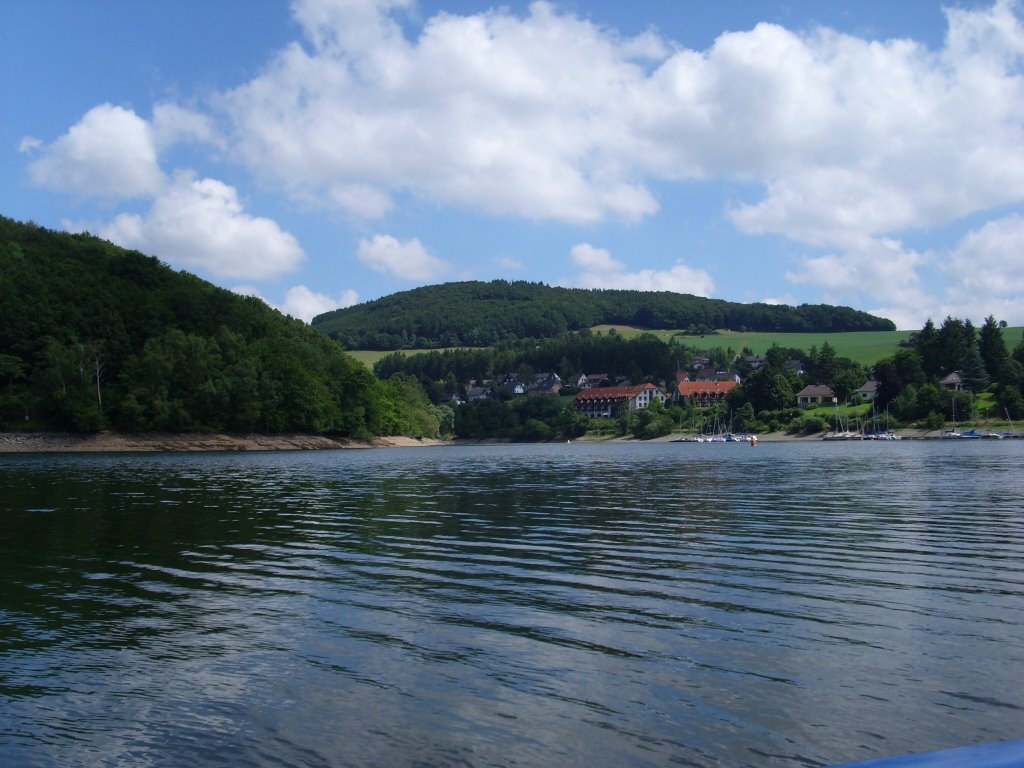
(598, 605)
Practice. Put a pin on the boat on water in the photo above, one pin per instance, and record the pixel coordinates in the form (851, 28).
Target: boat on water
(844, 435)
(882, 436)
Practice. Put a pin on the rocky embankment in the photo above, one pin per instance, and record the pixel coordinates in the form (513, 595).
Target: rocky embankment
(54, 442)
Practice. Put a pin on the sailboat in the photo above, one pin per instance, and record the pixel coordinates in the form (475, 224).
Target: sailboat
(839, 433)
(952, 433)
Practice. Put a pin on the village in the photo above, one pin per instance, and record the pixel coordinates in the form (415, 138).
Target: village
(708, 401)
(599, 395)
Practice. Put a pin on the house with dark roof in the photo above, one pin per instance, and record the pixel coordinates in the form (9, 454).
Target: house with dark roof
(755, 361)
(477, 393)
(549, 385)
(814, 394)
(953, 382)
(868, 391)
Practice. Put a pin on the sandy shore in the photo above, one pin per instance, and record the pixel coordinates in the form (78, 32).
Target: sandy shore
(54, 442)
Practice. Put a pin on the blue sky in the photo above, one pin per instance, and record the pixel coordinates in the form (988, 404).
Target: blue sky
(324, 152)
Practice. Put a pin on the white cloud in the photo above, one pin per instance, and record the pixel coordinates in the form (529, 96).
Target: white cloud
(488, 112)
(847, 143)
(787, 300)
(548, 116)
(173, 123)
(510, 263)
(851, 141)
(29, 144)
(600, 270)
(201, 223)
(594, 259)
(872, 270)
(986, 267)
(108, 153)
(990, 260)
(361, 200)
(408, 260)
(305, 304)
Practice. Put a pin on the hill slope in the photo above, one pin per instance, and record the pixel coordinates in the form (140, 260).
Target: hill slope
(481, 314)
(93, 336)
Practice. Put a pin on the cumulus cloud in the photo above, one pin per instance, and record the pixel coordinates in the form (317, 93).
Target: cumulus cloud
(600, 270)
(880, 274)
(201, 223)
(302, 302)
(305, 304)
(549, 116)
(987, 272)
(409, 260)
(173, 123)
(990, 260)
(841, 143)
(109, 153)
(879, 267)
(489, 112)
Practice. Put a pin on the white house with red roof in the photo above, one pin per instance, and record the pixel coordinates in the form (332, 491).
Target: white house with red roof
(608, 402)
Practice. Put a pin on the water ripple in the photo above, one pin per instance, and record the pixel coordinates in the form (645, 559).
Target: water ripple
(512, 605)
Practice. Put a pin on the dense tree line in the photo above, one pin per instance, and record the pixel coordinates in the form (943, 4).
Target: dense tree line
(489, 313)
(93, 336)
(640, 358)
(909, 381)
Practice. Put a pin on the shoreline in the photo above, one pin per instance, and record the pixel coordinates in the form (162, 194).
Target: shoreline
(166, 442)
(162, 442)
(909, 433)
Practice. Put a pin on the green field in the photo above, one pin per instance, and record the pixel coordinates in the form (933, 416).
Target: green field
(865, 347)
(370, 356)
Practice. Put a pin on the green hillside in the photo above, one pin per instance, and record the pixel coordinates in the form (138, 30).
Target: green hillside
(93, 336)
(864, 347)
(490, 313)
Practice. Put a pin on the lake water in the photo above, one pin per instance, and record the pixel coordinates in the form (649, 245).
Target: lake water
(540, 605)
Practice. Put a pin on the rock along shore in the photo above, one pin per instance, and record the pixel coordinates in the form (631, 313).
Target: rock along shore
(117, 442)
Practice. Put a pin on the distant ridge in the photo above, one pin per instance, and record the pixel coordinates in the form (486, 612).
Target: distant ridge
(477, 314)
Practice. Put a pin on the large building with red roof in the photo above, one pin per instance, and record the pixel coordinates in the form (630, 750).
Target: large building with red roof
(705, 393)
(608, 402)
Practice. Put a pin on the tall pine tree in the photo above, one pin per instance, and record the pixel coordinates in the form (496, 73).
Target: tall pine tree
(994, 353)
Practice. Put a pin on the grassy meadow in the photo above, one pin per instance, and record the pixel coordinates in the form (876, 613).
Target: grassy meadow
(864, 347)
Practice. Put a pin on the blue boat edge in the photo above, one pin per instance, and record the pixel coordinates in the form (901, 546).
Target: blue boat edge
(999, 754)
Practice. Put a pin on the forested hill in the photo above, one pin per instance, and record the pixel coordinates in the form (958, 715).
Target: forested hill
(478, 314)
(93, 336)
